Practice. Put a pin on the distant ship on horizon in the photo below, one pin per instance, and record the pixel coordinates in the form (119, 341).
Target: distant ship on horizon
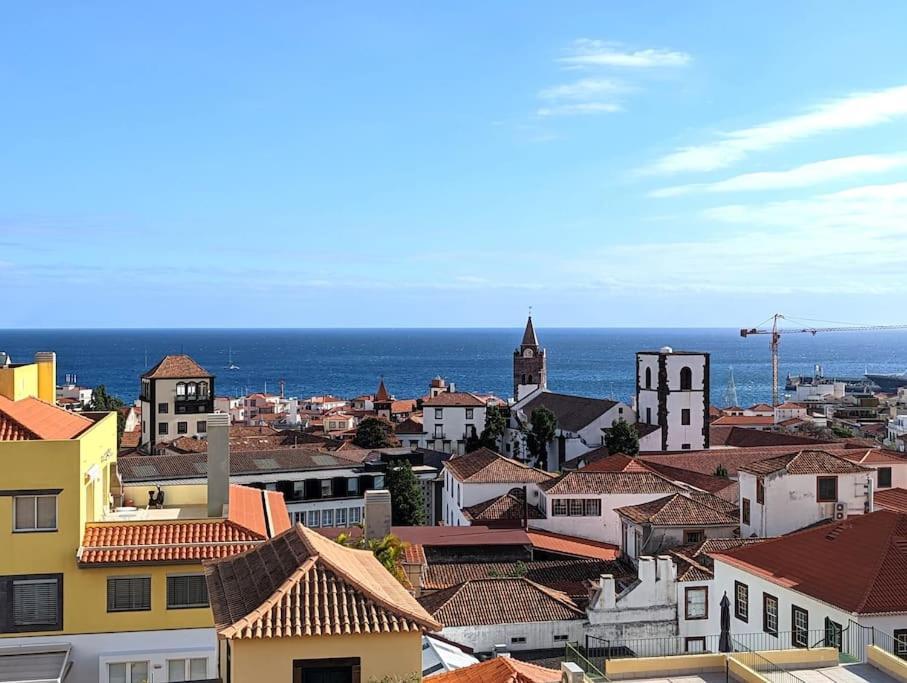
(890, 381)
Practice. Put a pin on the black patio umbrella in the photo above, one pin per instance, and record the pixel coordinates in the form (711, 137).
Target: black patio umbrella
(724, 642)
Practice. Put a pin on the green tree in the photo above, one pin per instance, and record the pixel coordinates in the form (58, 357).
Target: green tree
(375, 432)
(622, 438)
(495, 422)
(407, 501)
(841, 432)
(721, 471)
(542, 427)
(388, 550)
(103, 402)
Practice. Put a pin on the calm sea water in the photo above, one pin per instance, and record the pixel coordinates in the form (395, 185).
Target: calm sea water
(591, 362)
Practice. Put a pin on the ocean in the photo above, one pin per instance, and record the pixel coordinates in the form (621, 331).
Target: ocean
(347, 362)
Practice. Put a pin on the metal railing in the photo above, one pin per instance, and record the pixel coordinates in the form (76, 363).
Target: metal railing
(761, 665)
(891, 645)
(573, 654)
(664, 646)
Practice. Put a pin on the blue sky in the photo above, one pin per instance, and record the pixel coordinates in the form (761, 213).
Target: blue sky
(451, 164)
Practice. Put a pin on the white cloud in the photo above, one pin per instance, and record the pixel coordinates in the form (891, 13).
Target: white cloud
(806, 175)
(859, 110)
(586, 88)
(582, 108)
(591, 53)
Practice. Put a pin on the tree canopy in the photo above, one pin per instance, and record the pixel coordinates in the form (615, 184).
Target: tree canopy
(375, 432)
(622, 438)
(407, 501)
(542, 428)
(495, 422)
(389, 551)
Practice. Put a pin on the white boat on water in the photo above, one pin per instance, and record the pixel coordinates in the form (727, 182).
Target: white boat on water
(230, 364)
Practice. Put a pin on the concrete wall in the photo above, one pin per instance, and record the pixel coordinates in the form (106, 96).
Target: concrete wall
(663, 667)
(887, 663)
(538, 635)
(606, 528)
(454, 424)
(679, 436)
(458, 495)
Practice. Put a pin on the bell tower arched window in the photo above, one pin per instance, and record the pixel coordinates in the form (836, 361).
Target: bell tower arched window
(648, 378)
(686, 379)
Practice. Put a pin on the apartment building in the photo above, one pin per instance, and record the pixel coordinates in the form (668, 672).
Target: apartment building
(176, 395)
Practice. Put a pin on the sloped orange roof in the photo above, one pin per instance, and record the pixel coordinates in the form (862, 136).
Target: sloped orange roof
(176, 366)
(498, 670)
(572, 545)
(617, 463)
(32, 419)
(484, 466)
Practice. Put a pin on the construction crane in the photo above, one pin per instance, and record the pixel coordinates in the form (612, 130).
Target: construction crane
(776, 333)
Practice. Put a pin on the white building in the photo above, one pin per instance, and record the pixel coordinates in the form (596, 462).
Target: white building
(450, 418)
(81, 396)
(672, 392)
(234, 407)
(789, 492)
(581, 425)
(789, 410)
(483, 475)
(176, 395)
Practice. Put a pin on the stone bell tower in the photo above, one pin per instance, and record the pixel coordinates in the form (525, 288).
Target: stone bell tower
(530, 364)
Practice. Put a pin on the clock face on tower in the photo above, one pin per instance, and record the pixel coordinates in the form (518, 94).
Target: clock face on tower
(527, 353)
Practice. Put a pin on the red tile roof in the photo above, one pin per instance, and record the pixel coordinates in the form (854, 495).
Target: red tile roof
(498, 670)
(33, 419)
(740, 437)
(891, 499)
(805, 462)
(616, 463)
(744, 420)
(494, 601)
(694, 562)
(454, 399)
(510, 506)
(859, 564)
(572, 545)
(484, 466)
(582, 481)
(676, 510)
(177, 366)
(411, 425)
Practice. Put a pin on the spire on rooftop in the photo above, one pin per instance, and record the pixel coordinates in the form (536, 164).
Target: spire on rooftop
(382, 394)
(529, 338)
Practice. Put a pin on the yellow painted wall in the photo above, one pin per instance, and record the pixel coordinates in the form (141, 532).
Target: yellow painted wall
(19, 382)
(47, 377)
(887, 663)
(178, 495)
(741, 672)
(648, 667)
(380, 654)
(801, 657)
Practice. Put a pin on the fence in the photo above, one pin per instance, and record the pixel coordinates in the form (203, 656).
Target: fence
(891, 645)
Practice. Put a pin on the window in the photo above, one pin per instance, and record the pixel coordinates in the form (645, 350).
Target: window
(188, 590)
(35, 513)
(182, 427)
(327, 518)
(560, 637)
(686, 379)
(128, 593)
(900, 642)
(685, 416)
(695, 644)
(201, 426)
(469, 413)
(355, 515)
(559, 508)
(592, 507)
(685, 447)
(379, 482)
(439, 413)
(799, 622)
(340, 516)
(648, 378)
(439, 431)
(517, 640)
(696, 603)
(576, 508)
(826, 489)
(834, 633)
(163, 408)
(35, 603)
(162, 428)
(127, 672)
(314, 519)
(180, 391)
(884, 474)
(648, 416)
(770, 614)
(203, 390)
(745, 511)
(327, 488)
(693, 536)
(741, 601)
(194, 669)
(352, 486)
(760, 491)
(191, 390)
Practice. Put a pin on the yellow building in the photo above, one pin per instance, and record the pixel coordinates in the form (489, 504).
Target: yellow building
(302, 609)
(109, 594)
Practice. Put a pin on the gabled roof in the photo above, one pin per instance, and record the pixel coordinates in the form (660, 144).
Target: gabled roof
(498, 670)
(253, 515)
(31, 419)
(176, 366)
(676, 510)
(454, 399)
(858, 565)
(694, 563)
(891, 499)
(573, 413)
(615, 463)
(303, 584)
(510, 506)
(805, 462)
(499, 601)
(411, 425)
(581, 481)
(484, 466)
(529, 338)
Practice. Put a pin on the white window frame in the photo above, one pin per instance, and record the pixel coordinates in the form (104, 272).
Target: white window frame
(129, 664)
(187, 667)
(36, 528)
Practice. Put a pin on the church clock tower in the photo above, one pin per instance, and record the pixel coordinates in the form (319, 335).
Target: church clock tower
(530, 365)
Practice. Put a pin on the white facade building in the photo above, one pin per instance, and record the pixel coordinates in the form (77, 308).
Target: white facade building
(176, 396)
(672, 392)
(450, 418)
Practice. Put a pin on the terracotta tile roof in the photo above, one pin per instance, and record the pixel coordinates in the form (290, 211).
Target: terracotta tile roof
(744, 420)
(498, 670)
(875, 456)
(676, 510)
(303, 584)
(569, 576)
(873, 580)
(176, 366)
(493, 601)
(575, 546)
(694, 563)
(177, 541)
(33, 419)
(413, 553)
(614, 463)
(411, 425)
(805, 462)
(706, 482)
(454, 399)
(573, 413)
(740, 437)
(891, 499)
(790, 405)
(509, 506)
(761, 408)
(382, 394)
(484, 466)
(581, 481)
(131, 439)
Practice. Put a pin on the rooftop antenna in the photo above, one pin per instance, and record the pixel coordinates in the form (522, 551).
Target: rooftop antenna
(146, 356)
(730, 393)
(283, 386)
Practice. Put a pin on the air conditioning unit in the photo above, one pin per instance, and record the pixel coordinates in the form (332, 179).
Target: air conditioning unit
(840, 511)
(571, 673)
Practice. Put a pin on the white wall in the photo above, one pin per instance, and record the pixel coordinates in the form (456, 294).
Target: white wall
(458, 495)
(679, 436)
(538, 635)
(455, 425)
(605, 528)
(91, 652)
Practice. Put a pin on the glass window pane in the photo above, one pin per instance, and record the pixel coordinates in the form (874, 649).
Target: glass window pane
(139, 672)
(116, 673)
(47, 512)
(176, 670)
(25, 512)
(198, 669)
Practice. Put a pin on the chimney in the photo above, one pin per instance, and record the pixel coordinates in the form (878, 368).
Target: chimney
(218, 463)
(377, 514)
(607, 592)
(47, 375)
(525, 507)
(645, 569)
